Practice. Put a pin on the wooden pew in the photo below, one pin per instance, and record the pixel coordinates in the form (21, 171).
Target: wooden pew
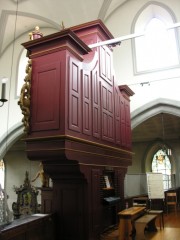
(126, 221)
(140, 224)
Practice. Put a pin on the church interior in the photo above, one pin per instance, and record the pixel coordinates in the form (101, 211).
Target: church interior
(90, 131)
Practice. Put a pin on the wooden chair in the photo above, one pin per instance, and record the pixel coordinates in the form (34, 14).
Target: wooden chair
(171, 200)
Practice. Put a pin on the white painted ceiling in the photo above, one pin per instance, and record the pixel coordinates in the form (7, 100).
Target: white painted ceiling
(21, 16)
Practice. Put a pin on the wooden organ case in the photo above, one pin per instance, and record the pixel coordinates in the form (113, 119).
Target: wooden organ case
(79, 128)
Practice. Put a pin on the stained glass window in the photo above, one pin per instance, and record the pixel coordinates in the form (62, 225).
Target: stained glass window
(161, 164)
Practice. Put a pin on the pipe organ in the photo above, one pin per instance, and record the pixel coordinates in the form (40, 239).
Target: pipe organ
(79, 128)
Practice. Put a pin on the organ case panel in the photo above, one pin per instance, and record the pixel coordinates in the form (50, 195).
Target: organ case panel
(82, 130)
(75, 110)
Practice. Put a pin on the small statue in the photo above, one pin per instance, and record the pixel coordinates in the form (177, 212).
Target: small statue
(43, 176)
(62, 27)
(35, 34)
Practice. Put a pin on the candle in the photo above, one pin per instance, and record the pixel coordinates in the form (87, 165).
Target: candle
(3, 93)
(3, 90)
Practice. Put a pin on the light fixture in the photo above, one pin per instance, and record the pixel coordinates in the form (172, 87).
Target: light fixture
(145, 83)
(167, 151)
(3, 91)
(118, 40)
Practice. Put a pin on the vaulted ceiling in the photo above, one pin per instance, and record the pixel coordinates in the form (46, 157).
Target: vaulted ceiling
(158, 127)
(21, 16)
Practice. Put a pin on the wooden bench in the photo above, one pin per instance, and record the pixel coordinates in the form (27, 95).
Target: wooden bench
(160, 215)
(148, 221)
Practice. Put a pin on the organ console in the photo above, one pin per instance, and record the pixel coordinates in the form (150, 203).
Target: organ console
(79, 128)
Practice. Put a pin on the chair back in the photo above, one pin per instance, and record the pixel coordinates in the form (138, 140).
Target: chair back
(171, 199)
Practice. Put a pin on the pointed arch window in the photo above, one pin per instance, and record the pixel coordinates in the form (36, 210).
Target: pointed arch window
(162, 164)
(21, 71)
(158, 48)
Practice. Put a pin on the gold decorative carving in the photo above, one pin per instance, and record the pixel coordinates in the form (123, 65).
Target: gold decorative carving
(24, 100)
(26, 199)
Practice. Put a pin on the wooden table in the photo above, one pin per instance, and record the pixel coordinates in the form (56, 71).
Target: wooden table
(126, 221)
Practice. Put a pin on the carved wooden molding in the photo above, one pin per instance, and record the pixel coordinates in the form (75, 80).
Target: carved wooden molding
(24, 100)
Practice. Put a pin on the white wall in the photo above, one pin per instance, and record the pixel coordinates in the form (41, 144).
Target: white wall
(16, 165)
(10, 113)
(163, 84)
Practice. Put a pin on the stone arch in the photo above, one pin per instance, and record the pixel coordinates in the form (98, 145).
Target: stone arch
(147, 111)
(9, 138)
(153, 108)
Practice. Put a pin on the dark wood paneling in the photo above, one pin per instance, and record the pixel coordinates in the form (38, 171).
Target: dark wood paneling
(123, 123)
(74, 96)
(96, 202)
(107, 102)
(30, 228)
(105, 64)
(122, 120)
(46, 200)
(70, 206)
(45, 95)
(128, 125)
(117, 103)
(86, 102)
(96, 103)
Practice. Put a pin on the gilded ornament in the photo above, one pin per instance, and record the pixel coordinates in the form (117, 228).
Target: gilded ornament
(24, 100)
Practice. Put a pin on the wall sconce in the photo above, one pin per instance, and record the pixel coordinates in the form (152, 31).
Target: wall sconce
(3, 91)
